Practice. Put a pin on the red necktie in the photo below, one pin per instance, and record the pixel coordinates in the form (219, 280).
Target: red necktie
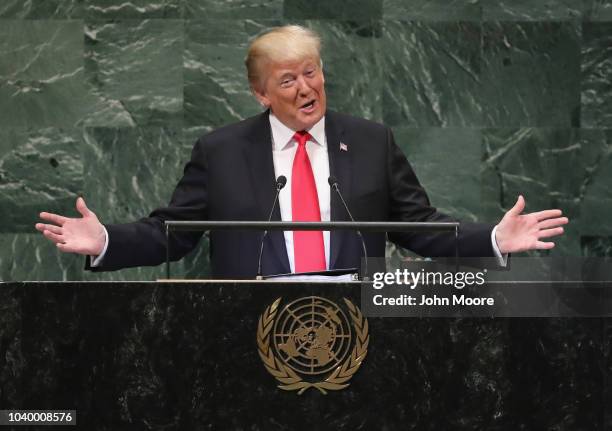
(308, 246)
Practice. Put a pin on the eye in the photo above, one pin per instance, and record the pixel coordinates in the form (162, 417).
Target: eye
(309, 72)
(286, 82)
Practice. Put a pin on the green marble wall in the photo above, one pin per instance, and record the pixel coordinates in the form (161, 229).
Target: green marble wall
(104, 99)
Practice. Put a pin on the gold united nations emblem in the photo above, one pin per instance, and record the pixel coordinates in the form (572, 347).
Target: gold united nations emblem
(311, 343)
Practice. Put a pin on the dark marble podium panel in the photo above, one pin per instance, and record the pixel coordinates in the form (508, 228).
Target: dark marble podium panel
(182, 356)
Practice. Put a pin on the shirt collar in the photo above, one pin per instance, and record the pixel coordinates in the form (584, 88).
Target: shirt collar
(282, 136)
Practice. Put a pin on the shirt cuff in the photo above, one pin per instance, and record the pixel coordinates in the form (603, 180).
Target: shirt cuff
(502, 260)
(95, 261)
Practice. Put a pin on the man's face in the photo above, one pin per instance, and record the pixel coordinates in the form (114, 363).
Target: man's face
(295, 93)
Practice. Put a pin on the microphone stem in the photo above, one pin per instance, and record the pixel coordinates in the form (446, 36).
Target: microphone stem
(365, 253)
(263, 238)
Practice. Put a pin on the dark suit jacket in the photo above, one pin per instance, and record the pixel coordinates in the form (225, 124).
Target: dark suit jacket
(231, 177)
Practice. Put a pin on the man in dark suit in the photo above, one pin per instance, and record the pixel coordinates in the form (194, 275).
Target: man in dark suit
(232, 171)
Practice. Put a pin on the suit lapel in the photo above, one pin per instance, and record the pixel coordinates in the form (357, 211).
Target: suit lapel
(339, 166)
(261, 167)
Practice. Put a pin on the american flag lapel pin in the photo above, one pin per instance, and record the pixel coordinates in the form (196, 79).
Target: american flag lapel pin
(343, 146)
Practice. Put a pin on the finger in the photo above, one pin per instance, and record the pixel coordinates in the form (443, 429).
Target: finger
(547, 233)
(540, 245)
(64, 247)
(50, 227)
(54, 237)
(82, 207)
(518, 207)
(553, 222)
(53, 218)
(542, 215)
(72, 248)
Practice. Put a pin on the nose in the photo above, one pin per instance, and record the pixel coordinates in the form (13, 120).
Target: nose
(303, 86)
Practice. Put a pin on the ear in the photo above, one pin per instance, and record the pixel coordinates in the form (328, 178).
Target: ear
(261, 97)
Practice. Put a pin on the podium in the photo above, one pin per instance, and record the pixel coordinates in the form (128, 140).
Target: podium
(185, 356)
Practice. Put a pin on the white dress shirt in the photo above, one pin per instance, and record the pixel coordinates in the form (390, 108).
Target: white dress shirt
(284, 148)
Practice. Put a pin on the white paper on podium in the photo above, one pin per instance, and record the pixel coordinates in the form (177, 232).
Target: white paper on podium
(343, 278)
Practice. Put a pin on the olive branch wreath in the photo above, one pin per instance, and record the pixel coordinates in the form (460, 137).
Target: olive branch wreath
(289, 379)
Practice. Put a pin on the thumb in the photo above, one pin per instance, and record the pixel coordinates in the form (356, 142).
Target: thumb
(82, 208)
(518, 207)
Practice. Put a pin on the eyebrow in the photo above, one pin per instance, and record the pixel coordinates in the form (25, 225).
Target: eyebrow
(286, 75)
(290, 74)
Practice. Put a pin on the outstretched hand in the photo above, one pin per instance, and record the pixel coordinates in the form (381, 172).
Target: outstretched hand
(518, 232)
(84, 235)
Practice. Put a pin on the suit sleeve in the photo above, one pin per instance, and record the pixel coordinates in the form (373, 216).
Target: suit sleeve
(143, 242)
(409, 202)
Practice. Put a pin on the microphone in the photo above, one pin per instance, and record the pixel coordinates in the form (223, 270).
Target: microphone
(333, 183)
(281, 181)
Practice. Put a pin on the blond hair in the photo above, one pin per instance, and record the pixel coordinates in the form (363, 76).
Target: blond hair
(280, 45)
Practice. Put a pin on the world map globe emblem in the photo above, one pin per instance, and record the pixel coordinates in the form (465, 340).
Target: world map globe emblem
(312, 335)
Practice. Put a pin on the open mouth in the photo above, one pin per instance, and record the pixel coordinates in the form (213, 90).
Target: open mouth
(308, 106)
